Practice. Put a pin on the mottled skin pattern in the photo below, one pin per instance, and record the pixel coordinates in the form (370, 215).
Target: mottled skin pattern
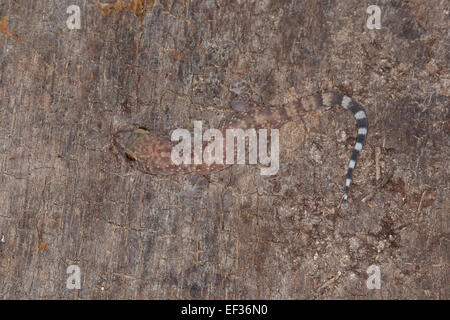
(152, 152)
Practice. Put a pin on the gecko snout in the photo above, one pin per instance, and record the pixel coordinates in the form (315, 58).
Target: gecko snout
(124, 142)
(131, 142)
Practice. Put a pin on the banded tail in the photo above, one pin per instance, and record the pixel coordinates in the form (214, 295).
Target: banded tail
(331, 99)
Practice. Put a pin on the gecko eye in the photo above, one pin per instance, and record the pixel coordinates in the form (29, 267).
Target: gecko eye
(142, 130)
(130, 155)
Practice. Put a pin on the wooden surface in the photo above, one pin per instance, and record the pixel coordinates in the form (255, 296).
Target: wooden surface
(67, 197)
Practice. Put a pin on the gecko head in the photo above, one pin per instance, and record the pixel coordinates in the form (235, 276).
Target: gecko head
(129, 142)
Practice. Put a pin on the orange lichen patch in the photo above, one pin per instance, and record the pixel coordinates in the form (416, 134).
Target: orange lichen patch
(42, 246)
(4, 29)
(137, 6)
(176, 53)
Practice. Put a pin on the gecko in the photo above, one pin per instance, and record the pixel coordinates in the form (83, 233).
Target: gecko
(152, 151)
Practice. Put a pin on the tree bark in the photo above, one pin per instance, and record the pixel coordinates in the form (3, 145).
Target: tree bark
(67, 197)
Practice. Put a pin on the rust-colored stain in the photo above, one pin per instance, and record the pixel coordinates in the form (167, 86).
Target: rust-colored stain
(42, 246)
(139, 7)
(4, 29)
(176, 53)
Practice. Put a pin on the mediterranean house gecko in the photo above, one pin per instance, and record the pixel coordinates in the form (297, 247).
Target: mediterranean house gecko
(152, 151)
